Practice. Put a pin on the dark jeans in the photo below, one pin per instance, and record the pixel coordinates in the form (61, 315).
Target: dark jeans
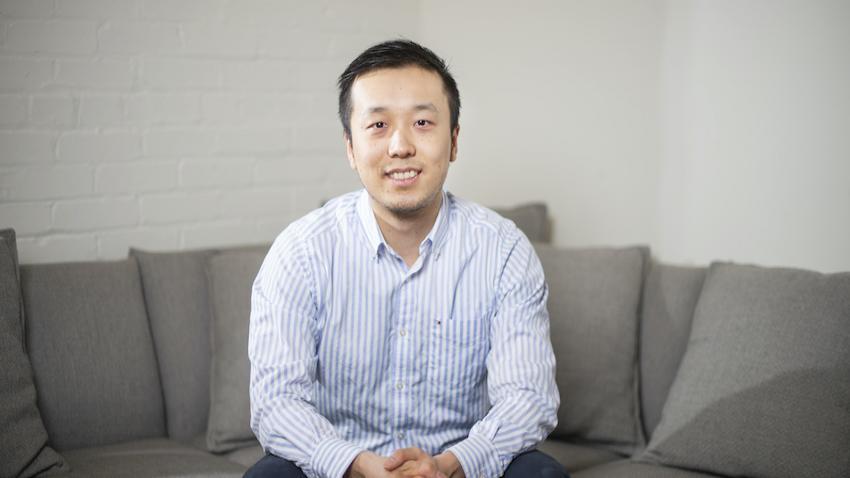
(529, 464)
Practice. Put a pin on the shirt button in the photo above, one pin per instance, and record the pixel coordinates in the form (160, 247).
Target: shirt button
(399, 385)
(400, 436)
(402, 332)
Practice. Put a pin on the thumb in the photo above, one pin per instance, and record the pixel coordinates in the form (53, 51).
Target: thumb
(395, 460)
(440, 474)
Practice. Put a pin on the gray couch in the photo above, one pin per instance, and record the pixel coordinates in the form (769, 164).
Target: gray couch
(138, 367)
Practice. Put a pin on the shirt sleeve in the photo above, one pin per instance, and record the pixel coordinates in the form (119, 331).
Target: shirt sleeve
(282, 350)
(520, 371)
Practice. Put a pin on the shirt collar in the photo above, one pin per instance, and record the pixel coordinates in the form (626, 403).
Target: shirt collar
(376, 238)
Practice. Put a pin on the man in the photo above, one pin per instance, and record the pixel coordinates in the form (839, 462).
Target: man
(399, 330)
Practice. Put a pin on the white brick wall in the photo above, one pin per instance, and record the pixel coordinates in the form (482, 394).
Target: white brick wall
(169, 124)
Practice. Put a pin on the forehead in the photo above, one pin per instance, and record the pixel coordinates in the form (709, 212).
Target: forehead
(398, 88)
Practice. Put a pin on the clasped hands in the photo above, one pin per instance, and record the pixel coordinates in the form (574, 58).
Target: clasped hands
(407, 463)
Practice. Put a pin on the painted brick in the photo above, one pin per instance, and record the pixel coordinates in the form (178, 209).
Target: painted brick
(95, 73)
(280, 13)
(301, 43)
(135, 177)
(325, 137)
(153, 109)
(294, 170)
(265, 75)
(219, 234)
(179, 207)
(138, 37)
(53, 110)
(26, 8)
(346, 46)
(117, 243)
(315, 105)
(57, 248)
(13, 110)
(219, 40)
(86, 146)
(307, 198)
(100, 213)
(268, 228)
(270, 108)
(221, 108)
(45, 182)
(180, 73)
(179, 142)
(51, 37)
(100, 9)
(253, 141)
(101, 110)
(211, 172)
(20, 147)
(194, 10)
(26, 218)
(255, 202)
(319, 76)
(24, 73)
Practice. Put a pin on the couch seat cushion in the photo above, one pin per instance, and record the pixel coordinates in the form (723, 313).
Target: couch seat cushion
(576, 457)
(152, 458)
(764, 387)
(628, 469)
(594, 296)
(246, 456)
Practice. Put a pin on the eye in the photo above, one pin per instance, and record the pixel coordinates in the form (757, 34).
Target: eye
(378, 125)
(422, 122)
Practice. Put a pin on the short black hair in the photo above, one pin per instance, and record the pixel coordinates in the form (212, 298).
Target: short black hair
(395, 54)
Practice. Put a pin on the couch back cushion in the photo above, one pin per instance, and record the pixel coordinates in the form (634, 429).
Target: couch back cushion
(178, 303)
(669, 297)
(92, 353)
(764, 386)
(230, 275)
(175, 291)
(532, 219)
(23, 440)
(594, 297)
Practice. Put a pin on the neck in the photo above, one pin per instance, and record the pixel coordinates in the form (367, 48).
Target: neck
(405, 233)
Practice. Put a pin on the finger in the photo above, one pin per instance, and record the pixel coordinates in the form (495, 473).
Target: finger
(400, 456)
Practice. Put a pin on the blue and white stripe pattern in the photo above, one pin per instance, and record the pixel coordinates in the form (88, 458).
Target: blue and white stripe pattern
(351, 350)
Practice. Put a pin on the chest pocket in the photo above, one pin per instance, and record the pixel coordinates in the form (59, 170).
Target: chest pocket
(457, 351)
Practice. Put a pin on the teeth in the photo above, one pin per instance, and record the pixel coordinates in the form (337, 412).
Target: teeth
(403, 175)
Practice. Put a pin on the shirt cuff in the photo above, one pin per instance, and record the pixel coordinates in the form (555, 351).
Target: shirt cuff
(478, 457)
(333, 456)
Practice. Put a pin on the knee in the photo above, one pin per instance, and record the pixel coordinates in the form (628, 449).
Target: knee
(271, 466)
(552, 471)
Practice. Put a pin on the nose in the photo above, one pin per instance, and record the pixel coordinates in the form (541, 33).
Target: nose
(400, 146)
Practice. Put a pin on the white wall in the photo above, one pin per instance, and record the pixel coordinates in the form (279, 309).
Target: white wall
(707, 129)
(560, 103)
(757, 133)
(173, 124)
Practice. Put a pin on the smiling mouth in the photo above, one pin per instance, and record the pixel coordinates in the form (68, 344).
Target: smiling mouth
(403, 176)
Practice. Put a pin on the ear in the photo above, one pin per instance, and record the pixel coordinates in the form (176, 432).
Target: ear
(453, 154)
(349, 151)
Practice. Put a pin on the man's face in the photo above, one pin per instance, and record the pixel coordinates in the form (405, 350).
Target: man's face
(401, 140)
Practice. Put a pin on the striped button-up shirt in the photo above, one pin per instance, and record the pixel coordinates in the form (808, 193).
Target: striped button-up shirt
(352, 350)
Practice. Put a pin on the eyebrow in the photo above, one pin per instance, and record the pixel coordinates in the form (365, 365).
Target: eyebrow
(419, 107)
